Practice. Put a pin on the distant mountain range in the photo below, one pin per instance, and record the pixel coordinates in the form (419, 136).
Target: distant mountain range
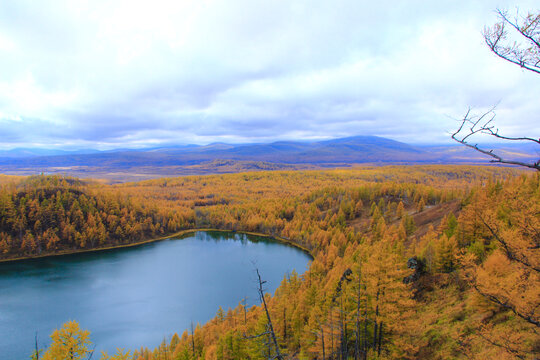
(221, 157)
(35, 152)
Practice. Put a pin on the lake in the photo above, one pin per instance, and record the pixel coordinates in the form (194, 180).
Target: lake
(133, 297)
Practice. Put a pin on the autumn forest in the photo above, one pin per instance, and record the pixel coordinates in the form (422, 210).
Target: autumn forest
(409, 262)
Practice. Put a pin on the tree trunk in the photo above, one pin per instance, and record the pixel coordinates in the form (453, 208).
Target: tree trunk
(271, 327)
(380, 339)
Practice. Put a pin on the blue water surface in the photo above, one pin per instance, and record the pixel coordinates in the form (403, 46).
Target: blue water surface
(137, 296)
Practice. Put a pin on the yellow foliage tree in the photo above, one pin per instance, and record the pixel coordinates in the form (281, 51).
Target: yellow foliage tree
(69, 343)
(120, 355)
(391, 301)
(510, 276)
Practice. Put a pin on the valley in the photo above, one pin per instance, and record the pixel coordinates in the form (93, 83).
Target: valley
(269, 180)
(361, 226)
(220, 158)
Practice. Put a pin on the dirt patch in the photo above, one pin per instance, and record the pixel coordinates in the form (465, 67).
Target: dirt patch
(360, 224)
(433, 215)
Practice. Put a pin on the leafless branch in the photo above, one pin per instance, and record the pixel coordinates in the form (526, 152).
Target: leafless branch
(505, 346)
(37, 350)
(529, 318)
(271, 327)
(256, 336)
(472, 125)
(507, 249)
(527, 55)
(91, 353)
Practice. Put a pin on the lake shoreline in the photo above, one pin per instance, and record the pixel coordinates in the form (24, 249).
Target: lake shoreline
(161, 238)
(131, 298)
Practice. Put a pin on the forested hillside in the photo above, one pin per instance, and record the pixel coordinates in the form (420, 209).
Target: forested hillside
(43, 215)
(470, 236)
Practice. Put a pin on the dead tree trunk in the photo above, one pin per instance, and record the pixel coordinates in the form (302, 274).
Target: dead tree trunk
(365, 337)
(374, 345)
(322, 340)
(380, 339)
(376, 318)
(192, 340)
(343, 325)
(244, 308)
(331, 334)
(270, 326)
(357, 341)
(37, 351)
(284, 324)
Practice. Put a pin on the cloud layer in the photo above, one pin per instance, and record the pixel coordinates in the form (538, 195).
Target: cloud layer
(126, 73)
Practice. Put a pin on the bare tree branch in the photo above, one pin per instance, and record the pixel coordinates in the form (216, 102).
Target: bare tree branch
(528, 29)
(91, 353)
(527, 55)
(529, 318)
(256, 336)
(505, 346)
(507, 249)
(270, 328)
(472, 125)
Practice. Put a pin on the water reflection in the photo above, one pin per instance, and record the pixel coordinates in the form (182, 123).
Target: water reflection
(133, 297)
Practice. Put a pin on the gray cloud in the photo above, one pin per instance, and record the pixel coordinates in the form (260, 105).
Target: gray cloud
(121, 73)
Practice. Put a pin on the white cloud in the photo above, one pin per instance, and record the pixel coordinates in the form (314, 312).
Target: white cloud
(134, 72)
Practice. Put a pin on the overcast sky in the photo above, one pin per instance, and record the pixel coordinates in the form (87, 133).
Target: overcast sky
(106, 74)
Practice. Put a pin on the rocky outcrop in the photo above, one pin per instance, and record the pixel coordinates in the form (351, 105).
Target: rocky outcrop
(418, 266)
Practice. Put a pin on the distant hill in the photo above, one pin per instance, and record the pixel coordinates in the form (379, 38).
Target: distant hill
(222, 157)
(35, 152)
(358, 149)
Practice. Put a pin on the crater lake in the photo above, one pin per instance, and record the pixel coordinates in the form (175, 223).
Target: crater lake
(136, 297)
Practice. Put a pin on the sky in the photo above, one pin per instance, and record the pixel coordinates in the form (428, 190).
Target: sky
(128, 74)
